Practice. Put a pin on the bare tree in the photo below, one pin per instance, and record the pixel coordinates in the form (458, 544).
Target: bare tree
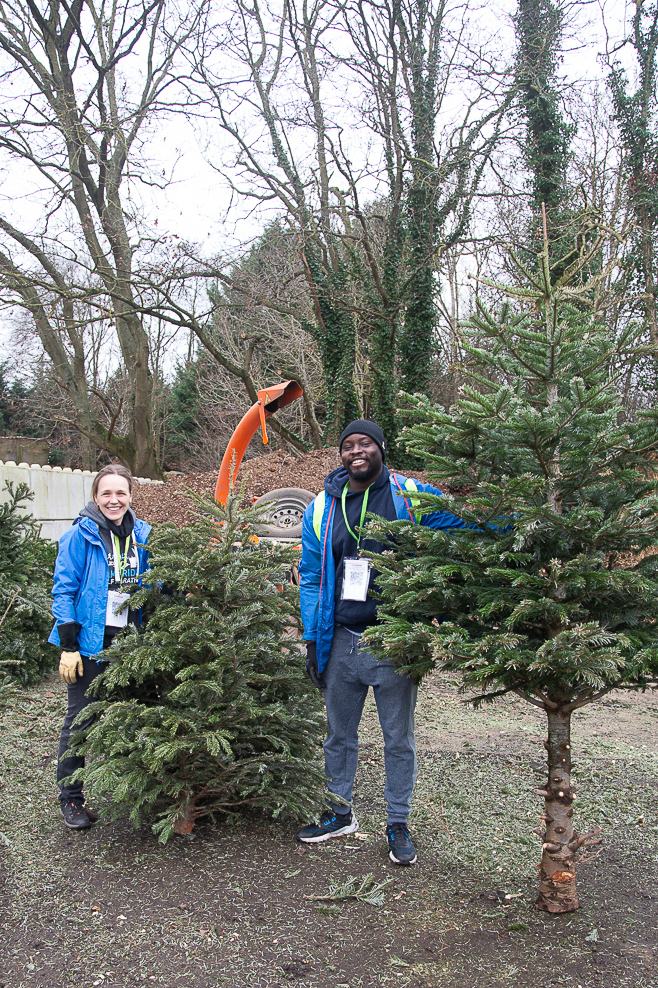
(81, 82)
(251, 318)
(338, 112)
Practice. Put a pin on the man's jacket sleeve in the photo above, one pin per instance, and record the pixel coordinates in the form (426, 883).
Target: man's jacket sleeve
(310, 573)
(69, 570)
(439, 519)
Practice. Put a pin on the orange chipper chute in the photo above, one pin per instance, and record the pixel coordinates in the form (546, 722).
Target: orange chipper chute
(270, 400)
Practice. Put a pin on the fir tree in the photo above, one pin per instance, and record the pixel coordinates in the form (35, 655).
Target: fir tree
(207, 709)
(551, 593)
(26, 567)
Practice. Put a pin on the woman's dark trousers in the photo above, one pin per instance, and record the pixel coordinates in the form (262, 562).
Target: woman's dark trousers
(77, 702)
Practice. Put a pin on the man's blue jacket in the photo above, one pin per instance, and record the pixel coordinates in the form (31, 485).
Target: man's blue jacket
(82, 576)
(317, 572)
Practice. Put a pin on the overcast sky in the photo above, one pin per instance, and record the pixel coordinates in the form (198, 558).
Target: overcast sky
(195, 205)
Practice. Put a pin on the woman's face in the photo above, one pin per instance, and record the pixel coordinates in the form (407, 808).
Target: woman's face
(113, 497)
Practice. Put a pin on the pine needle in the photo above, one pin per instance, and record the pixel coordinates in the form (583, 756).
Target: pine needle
(366, 891)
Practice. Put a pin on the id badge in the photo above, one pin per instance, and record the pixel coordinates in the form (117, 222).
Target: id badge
(356, 579)
(114, 602)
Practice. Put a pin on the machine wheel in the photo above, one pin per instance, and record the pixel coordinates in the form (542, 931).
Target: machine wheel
(284, 513)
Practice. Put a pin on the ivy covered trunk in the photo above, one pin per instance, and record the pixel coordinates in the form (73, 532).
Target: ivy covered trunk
(636, 115)
(418, 345)
(335, 332)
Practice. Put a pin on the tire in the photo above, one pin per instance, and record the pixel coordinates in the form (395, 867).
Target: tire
(284, 515)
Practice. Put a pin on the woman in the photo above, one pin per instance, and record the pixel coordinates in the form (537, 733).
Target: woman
(103, 550)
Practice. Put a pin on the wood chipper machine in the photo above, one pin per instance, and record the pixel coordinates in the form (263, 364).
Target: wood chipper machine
(283, 508)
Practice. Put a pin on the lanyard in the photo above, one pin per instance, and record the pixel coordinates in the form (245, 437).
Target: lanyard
(363, 513)
(120, 561)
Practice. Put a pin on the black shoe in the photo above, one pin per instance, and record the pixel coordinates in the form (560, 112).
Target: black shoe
(330, 825)
(73, 814)
(400, 845)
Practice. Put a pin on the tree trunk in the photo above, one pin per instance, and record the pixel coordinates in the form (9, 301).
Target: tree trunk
(546, 149)
(335, 333)
(417, 344)
(186, 820)
(557, 889)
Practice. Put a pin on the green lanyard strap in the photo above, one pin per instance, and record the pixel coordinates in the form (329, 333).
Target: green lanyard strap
(119, 560)
(363, 513)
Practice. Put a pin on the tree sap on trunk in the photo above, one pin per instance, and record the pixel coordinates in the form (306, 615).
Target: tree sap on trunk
(557, 890)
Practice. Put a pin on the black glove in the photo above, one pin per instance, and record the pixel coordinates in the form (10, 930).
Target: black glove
(312, 666)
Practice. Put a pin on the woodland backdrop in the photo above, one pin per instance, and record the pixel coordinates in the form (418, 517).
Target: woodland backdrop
(380, 160)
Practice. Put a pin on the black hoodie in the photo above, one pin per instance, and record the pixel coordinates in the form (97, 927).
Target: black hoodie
(355, 614)
(107, 528)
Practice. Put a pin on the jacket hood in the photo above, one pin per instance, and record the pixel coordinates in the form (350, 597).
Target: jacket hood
(90, 510)
(336, 480)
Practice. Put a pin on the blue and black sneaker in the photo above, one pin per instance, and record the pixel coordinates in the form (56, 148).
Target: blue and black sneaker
(401, 848)
(330, 825)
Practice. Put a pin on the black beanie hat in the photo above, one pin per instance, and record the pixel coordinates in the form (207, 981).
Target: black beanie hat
(365, 428)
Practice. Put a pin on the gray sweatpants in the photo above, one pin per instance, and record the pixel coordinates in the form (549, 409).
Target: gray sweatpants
(348, 674)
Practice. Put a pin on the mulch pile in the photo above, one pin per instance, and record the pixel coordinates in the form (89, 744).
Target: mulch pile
(170, 502)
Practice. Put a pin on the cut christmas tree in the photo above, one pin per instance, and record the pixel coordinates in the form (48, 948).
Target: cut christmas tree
(207, 710)
(26, 578)
(551, 593)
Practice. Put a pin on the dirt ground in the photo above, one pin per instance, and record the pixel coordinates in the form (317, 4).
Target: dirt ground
(229, 906)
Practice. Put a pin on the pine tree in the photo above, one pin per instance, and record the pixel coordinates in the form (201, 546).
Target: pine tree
(551, 592)
(207, 709)
(26, 567)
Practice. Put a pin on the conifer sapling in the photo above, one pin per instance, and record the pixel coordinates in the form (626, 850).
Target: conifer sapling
(207, 709)
(26, 576)
(551, 593)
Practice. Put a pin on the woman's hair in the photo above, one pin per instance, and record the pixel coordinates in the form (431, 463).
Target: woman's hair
(118, 469)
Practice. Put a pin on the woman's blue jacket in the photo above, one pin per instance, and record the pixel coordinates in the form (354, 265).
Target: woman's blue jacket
(317, 571)
(81, 580)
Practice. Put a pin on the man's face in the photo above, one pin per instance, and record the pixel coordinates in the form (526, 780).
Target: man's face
(361, 456)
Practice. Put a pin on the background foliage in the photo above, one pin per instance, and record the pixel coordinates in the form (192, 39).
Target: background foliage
(26, 568)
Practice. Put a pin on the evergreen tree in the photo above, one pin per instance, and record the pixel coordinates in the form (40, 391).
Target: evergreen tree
(16, 417)
(184, 405)
(26, 568)
(207, 709)
(551, 592)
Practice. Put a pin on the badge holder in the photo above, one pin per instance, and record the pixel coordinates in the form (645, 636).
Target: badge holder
(114, 618)
(356, 579)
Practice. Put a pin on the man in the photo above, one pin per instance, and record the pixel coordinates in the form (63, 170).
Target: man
(335, 585)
